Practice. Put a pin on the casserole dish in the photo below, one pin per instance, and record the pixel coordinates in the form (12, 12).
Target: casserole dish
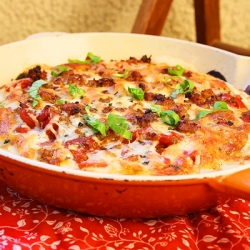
(121, 195)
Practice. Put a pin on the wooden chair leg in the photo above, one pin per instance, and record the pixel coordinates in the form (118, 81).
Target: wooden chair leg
(153, 13)
(151, 16)
(207, 20)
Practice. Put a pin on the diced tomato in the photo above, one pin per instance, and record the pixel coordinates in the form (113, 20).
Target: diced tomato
(44, 117)
(55, 126)
(166, 141)
(87, 143)
(21, 129)
(239, 102)
(133, 158)
(191, 154)
(25, 116)
(79, 155)
(51, 135)
(169, 139)
(167, 161)
(226, 96)
(24, 83)
(233, 101)
(95, 164)
(146, 133)
(83, 146)
(245, 116)
(244, 119)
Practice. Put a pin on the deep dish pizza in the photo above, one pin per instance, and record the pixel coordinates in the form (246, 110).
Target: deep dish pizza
(131, 116)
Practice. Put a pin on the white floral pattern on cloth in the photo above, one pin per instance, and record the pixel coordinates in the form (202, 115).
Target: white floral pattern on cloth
(28, 224)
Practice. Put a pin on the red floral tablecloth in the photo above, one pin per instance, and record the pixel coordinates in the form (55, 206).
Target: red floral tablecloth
(28, 224)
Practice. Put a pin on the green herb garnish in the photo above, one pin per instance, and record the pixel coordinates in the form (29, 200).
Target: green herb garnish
(137, 93)
(169, 116)
(33, 91)
(123, 75)
(222, 106)
(78, 61)
(178, 71)
(92, 58)
(119, 125)
(218, 106)
(183, 88)
(94, 123)
(60, 101)
(58, 70)
(75, 91)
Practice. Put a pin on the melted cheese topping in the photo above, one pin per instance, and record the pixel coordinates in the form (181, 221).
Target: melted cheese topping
(66, 123)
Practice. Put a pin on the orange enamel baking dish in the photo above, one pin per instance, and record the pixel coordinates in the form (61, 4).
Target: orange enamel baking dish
(121, 195)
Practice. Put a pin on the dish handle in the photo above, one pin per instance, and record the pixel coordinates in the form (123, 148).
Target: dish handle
(236, 184)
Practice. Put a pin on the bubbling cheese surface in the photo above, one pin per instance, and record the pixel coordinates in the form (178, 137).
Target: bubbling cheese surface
(131, 116)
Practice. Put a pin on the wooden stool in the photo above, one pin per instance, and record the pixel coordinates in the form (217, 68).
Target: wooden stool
(153, 13)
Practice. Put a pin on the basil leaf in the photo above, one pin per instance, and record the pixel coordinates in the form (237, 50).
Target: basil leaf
(170, 117)
(218, 106)
(183, 88)
(58, 70)
(137, 93)
(33, 91)
(96, 124)
(87, 109)
(92, 58)
(202, 114)
(124, 75)
(1, 105)
(155, 108)
(75, 91)
(178, 71)
(79, 61)
(60, 101)
(119, 125)
(166, 79)
(169, 78)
